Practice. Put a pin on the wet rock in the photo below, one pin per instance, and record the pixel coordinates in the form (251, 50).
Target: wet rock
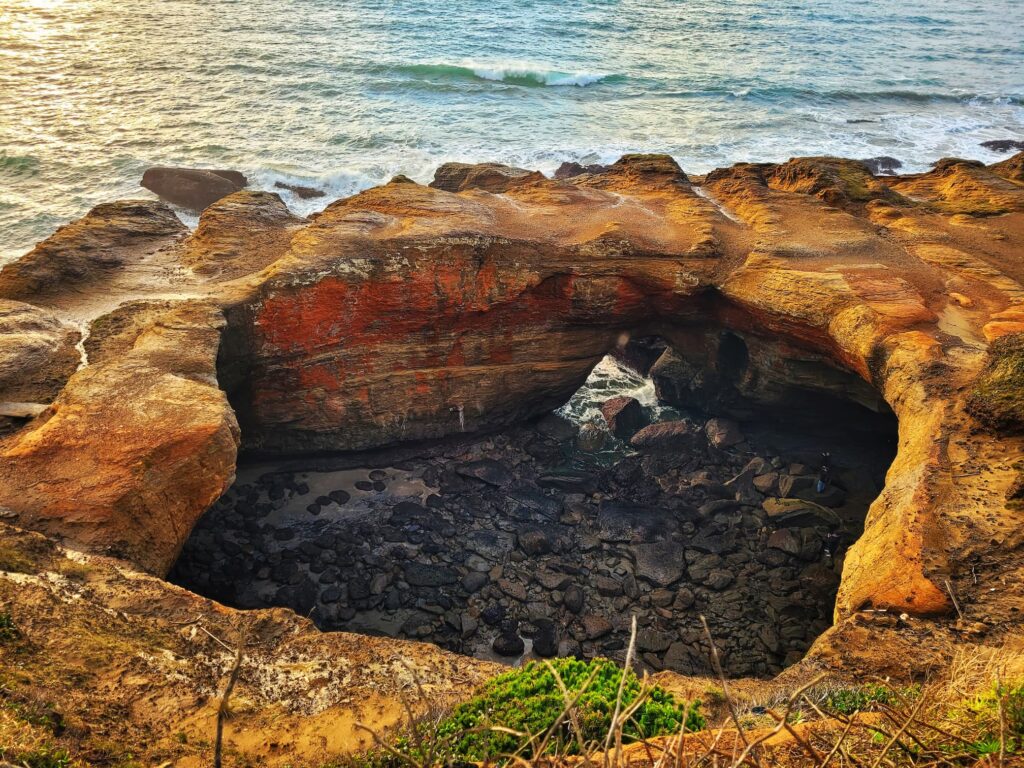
(491, 545)
(569, 482)
(591, 438)
(556, 427)
(624, 416)
(490, 177)
(719, 579)
(632, 523)
(534, 542)
(786, 540)
(573, 599)
(513, 589)
(882, 165)
(508, 644)
(379, 583)
(568, 170)
(493, 614)
(487, 471)
(723, 433)
(300, 191)
(595, 627)
(421, 575)
(652, 640)
(666, 436)
(545, 643)
(798, 512)
(527, 504)
(660, 563)
(474, 581)
(1004, 145)
(192, 188)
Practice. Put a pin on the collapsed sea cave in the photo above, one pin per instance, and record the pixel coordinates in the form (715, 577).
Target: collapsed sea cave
(700, 472)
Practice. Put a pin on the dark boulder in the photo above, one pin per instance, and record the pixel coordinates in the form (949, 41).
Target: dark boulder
(300, 191)
(545, 643)
(666, 436)
(569, 170)
(192, 188)
(1004, 145)
(883, 165)
(508, 644)
(624, 416)
(573, 599)
(486, 471)
(491, 177)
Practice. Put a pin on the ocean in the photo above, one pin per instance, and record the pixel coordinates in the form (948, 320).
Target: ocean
(344, 94)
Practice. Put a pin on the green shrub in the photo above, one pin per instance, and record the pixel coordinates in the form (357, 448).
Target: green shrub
(859, 698)
(529, 700)
(8, 629)
(44, 757)
(981, 715)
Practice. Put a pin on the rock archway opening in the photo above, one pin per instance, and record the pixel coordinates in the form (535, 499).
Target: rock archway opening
(697, 471)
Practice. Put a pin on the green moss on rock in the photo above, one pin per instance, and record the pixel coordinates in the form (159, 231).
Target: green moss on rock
(529, 700)
(997, 398)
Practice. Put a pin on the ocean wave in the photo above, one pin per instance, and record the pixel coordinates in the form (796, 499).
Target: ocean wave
(514, 74)
(18, 165)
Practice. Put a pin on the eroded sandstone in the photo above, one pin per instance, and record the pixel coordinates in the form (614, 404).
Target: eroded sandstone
(407, 313)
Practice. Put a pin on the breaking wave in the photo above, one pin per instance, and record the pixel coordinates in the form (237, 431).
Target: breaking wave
(514, 74)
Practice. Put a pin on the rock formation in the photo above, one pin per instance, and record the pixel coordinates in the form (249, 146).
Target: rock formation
(408, 312)
(192, 188)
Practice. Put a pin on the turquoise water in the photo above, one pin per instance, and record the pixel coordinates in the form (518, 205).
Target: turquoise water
(343, 94)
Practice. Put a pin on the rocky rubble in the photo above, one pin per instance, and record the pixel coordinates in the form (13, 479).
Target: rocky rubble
(501, 547)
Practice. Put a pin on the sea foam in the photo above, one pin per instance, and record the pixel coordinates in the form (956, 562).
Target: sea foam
(513, 73)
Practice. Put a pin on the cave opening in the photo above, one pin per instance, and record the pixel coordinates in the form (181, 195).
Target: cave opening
(683, 479)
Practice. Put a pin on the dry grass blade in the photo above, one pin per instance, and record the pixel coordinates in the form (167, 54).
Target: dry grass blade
(614, 730)
(223, 708)
(797, 694)
(895, 737)
(716, 662)
(407, 759)
(838, 745)
(570, 707)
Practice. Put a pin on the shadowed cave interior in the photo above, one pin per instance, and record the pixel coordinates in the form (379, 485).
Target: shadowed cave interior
(684, 478)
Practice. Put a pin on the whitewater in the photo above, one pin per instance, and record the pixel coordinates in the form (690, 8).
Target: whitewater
(344, 94)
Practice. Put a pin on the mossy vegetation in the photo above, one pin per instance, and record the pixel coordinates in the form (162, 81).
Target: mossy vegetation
(997, 398)
(995, 719)
(8, 629)
(46, 756)
(562, 707)
(863, 698)
(14, 560)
